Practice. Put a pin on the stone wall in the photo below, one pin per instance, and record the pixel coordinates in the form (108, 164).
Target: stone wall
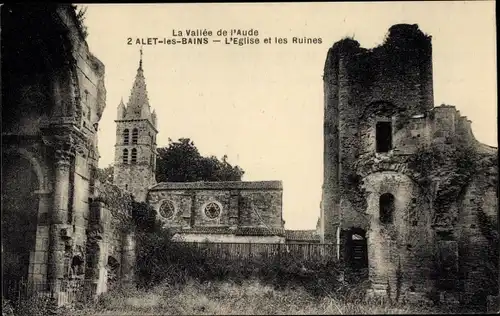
(54, 100)
(392, 83)
(234, 204)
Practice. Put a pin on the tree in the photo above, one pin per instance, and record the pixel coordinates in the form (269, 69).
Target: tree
(181, 161)
(105, 174)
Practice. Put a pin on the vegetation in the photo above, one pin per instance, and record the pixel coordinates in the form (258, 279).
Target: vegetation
(80, 17)
(105, 174)
(251, 297)
(181, 161)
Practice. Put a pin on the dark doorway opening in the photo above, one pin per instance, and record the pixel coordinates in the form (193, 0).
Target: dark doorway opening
(383, 137)
(357, 252)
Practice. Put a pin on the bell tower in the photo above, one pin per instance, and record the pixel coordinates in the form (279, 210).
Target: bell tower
(135, 148)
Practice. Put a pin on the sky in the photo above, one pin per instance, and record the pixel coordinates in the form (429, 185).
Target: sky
(262, 104)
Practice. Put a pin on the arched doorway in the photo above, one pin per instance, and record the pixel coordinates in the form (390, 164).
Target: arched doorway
(19, 215)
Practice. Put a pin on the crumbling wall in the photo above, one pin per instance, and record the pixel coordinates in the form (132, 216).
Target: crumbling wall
(110, 244)
(391, 82)
(435, 165)
(400, 252)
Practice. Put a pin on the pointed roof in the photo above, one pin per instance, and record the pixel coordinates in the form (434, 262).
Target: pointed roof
(138, 101)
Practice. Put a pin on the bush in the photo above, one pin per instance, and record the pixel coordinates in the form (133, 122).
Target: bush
(34, 306)
(161, 260)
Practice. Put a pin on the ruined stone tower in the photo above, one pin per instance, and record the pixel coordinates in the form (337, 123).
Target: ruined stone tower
(413, 224)
(135, 149)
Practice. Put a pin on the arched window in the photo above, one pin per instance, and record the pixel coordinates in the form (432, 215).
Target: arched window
(125, 156)
(134, 155)
(383, 137)
(386, 208)
(125, 136)
(77, 266)
(135, 135)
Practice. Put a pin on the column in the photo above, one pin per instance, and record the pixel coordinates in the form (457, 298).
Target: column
(128, 256)
(59, 216)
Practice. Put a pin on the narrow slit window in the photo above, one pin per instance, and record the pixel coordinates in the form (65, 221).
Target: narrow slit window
(125, 156)
(386, 208)
(135, 135)
(384, 137)
(125, 136)
(134, 155)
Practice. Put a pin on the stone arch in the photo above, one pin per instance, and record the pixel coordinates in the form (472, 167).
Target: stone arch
(39, 168)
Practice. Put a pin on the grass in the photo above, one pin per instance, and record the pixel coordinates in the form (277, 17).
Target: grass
(227, 298)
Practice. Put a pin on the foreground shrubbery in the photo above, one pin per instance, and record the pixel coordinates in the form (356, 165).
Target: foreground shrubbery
(159, 260)
(251, 297)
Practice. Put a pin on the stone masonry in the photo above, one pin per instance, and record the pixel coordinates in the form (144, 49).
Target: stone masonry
(198, 211)
(53, 98)
(379, 117)
(221, 211)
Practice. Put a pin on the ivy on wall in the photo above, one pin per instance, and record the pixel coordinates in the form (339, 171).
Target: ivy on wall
(118, 202)
(444, 171)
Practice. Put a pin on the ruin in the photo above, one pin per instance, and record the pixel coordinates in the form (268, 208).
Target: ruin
(58, 223)
(408, 192)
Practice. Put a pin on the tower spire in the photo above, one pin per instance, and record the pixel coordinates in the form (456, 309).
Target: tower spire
(140, 60)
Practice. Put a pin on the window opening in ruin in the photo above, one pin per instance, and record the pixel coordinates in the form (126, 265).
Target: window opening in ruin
(135, 135)
(112, 269)
(126, 186)
(386, 208)
(125, 155)
(383, 137)
(357, 249)
(77, 265)
(134, 155)
(125, 136)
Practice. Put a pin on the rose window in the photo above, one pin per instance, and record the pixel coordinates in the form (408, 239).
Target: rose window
(212, 210)
(167, 209)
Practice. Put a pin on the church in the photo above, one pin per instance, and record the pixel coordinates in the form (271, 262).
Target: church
(230, 211)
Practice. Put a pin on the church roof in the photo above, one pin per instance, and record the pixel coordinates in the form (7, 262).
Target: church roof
(219, 185)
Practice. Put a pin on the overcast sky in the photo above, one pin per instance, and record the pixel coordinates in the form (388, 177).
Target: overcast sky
(262, 105)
